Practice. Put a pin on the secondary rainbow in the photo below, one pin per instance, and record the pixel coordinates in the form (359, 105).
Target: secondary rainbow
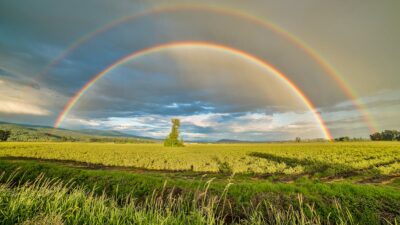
(214, 46)
(312, 53)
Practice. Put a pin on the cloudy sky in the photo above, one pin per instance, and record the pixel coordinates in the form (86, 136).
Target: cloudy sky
(49, 49)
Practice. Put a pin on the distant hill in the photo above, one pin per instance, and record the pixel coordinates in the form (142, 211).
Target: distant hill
(231, 141)
(25, 132)
(227, 141)
(112, 133)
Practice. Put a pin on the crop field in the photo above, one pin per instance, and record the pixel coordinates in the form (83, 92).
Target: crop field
(291, 159)
(277, 183)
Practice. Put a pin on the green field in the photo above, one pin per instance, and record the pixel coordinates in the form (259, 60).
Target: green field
(277, 183)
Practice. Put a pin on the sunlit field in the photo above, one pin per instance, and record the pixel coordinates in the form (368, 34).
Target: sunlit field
(291, 159)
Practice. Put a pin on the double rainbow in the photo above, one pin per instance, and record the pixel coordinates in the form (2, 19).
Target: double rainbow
(212, 46)
(329, 69)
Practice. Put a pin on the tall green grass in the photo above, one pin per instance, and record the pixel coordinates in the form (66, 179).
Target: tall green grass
(51, 201)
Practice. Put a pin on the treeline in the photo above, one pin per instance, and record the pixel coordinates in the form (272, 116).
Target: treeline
(386, 135)
(348, 139)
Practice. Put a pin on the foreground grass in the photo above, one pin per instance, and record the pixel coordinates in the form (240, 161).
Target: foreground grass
(49, 201)
(313, 183)
(245, 202)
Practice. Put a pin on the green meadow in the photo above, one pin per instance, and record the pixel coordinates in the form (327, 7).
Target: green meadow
(274, 183)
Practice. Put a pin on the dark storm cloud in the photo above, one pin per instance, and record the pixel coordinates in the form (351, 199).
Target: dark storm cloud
(155, 91)
(131, 36)
(359, 38)
(22, 80)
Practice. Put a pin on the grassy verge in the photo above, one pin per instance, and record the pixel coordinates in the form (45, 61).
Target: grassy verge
(367, 204)
(49, 201)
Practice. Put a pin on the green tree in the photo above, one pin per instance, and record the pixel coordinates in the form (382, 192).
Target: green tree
(376, 136)
(342, 139)
(389, 135)
(4, 135)
(172, 139)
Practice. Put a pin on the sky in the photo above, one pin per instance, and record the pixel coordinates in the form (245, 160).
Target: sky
(50, 49)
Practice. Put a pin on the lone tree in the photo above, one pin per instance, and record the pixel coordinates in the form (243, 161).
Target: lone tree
(173, 138)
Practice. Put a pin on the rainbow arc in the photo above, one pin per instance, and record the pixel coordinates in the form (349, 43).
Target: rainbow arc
(262, 22)
(212, 46)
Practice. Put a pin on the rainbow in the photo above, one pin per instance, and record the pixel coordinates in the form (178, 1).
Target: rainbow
(312, 53)
(226, 49)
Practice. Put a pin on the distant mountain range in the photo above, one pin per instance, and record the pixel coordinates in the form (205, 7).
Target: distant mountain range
(27, 132)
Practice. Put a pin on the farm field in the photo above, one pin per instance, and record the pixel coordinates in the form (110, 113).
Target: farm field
(322, 159)
(292, 183)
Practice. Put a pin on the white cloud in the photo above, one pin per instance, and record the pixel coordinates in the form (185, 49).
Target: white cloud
(387, 95)
(382, 106)
(203, 120)
(252, 122)
(175, 105)
(212, 126)
(19, 97)
(80, 122)
(11, 107)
